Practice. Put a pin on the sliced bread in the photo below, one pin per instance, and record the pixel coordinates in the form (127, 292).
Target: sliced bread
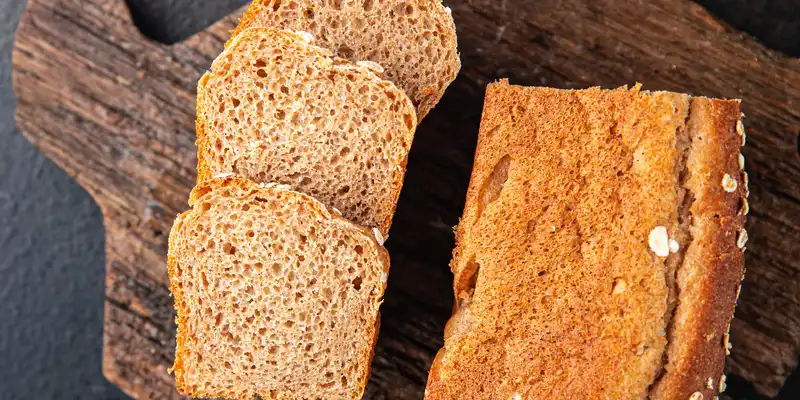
(414, 40)
(277, 296)
(601, 248)
(276, 108)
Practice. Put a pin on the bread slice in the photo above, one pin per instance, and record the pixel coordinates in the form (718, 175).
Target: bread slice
(277, 295)
(275, 108)
(600, 251)
(414, 40)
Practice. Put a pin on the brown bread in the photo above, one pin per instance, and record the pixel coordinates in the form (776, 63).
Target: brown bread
(277, 295)
(276, 108)
(600, 251)
(414, 40)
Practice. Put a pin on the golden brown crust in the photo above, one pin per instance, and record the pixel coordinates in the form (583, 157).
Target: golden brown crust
(203, 170)
(243, 188)
(337, 27)
(180, 318)
(713, 268)
(559, 293)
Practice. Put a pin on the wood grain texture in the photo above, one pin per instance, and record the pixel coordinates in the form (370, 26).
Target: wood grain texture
(116, 111)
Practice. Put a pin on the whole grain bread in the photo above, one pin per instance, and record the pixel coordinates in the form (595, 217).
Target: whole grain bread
(277, 296)
(414, 40)
(600, 251)
(276, 108)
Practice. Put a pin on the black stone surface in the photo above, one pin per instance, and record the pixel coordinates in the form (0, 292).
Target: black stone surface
(51, 231)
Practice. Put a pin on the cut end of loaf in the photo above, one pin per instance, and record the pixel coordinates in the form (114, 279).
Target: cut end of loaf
(276, 296)
(603, 219)
(413, 40)
(275, 108)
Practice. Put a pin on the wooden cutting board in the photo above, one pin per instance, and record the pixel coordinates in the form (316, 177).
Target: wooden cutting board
(116, 111)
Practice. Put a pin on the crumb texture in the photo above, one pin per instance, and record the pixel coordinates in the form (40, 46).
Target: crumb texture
(413, 40)
(276, 296)
(275, 108)
(570, 253)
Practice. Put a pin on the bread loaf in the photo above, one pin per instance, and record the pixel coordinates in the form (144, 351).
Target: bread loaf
(277, 296)
(601, 248)
(276, 108)
(414, 40)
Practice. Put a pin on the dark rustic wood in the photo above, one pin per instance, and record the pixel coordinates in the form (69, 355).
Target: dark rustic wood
(116, 111)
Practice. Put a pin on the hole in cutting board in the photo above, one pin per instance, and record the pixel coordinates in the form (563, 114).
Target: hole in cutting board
(169, 22)
(775, 23)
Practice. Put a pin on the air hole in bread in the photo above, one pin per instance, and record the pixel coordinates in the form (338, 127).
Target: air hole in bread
(229, 249)
(204, 279)
(368, 4)
(409, 120)
(345, 52)
(493, 186)
(492, 131)
(357, 283)
(467, 279)
(277, 269)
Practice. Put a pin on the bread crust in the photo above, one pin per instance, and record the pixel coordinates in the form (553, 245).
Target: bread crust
(696, 353)
(244, 188)
(385, 210)
(304, 15)
(710, 264)
(203, 170)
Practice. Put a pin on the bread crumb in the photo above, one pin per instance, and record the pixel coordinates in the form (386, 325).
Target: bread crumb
(223, 175)
(378, 236)
(674, 247)
(742, 240)
(308, 37)
(659, 241)
(696, 396)
(741, 161)
(710, 383)
(515, 396)
(372, 66)
(722, 384)
(336, 211)
(729, 184)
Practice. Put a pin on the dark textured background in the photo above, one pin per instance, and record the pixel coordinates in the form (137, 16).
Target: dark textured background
(51, 232)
